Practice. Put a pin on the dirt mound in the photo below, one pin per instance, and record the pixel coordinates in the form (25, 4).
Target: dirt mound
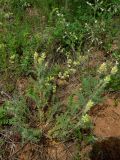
(106, 118)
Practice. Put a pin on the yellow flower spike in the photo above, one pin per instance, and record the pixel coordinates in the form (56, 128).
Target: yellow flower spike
(39, 60)
(89, 105)
(85, 118)
(66, 74)
(107, 79)
(12, 57)
(102, 68)
(114, 70)
(51, 78)
(54, 89)
(35, 55)
(43, 56)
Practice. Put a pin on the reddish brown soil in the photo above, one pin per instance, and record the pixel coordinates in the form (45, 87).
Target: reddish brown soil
(106, 118)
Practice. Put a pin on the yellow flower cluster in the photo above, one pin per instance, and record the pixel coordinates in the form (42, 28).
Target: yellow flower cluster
(50, 78)
(107, 79)
(12, 58)
(114, 70)
(54, 88)
(63, 75)
(39, 59)
(71, 66)
(71, 63)
(82, 58)
(102, 68)
(36, 56)
(85, 118)
(88, 106)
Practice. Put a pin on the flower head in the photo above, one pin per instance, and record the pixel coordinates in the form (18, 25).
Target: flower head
(114, 70)
(12, 57)
(43, 56)
(35, 56)
(102, 68)
(89, 105)
(85, 118)
(107, 79)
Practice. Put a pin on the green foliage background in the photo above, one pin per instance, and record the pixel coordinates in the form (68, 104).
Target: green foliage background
(49, 42)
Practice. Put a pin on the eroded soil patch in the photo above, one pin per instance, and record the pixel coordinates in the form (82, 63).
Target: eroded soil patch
(106, 118)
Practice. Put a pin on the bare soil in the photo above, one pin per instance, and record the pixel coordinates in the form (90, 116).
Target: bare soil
(106, 118)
